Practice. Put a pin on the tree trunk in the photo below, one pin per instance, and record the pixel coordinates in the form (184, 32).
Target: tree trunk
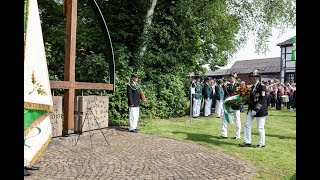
(147, 25)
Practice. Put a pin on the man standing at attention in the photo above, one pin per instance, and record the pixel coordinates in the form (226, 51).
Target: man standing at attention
(207, 95)
(257, 109)
(134, 96)
(219, 96)
(197, 97)
(230, 91)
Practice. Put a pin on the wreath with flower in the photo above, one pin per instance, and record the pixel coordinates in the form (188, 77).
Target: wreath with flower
(244, 91)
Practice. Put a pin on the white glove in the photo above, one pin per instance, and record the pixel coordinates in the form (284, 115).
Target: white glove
(194, 99)
(253, 113)
(208, 99)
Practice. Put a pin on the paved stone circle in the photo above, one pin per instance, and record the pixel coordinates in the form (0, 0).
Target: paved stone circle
(135, 156)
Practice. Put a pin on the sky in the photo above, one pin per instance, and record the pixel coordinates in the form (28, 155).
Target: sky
(248, 50)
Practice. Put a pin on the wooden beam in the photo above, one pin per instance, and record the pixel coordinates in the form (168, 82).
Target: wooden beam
(60, 85)
(69, 65)
(65, 7)
(70, 56)
(87, 85)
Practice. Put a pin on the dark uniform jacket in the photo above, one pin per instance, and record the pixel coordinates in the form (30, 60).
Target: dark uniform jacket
(219, 95)
(207, 91)
(198, 90)
(133, 93)
(258, 100)
(231, 88)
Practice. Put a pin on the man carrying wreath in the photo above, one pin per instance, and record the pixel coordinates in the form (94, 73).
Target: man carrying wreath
(231, 90)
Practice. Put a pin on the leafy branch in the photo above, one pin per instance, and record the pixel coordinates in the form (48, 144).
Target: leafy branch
(37, 86)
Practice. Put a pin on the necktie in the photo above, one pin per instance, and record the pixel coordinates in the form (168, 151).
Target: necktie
(254, 88)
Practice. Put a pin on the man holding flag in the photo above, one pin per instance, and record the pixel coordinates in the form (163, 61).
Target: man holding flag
(257, 109)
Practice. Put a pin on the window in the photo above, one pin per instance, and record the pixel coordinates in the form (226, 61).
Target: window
(290, 64)
(290, 76)
(288, 57)
(289, 49)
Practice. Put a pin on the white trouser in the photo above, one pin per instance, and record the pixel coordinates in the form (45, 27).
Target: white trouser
(133, 117)
(219, 108)
(207, 107)
(196, 107)
(247, 128)
(224, 129)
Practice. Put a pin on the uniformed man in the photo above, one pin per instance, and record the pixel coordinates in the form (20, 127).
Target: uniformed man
(219, 96)
(257, 109)
(133, 93)
(230, 91)
(207, 95)
(197, 97)
(213, 85)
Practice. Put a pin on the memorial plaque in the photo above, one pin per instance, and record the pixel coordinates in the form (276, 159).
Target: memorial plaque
(56, 117)
(92, 112)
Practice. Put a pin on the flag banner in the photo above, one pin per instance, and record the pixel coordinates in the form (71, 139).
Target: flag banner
(37, 93)
(36, 141)
(293, 54)
(228, 110)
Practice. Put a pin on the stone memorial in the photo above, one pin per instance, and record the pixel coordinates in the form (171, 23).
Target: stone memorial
(90, 110)
(56, 117)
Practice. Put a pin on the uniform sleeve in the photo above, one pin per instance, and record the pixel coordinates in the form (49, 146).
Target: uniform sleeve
(262, 96)
(129, 93)
(225, 91)
(216, 89)
(207, 91)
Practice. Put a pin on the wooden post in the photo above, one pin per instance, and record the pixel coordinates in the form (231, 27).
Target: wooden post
(69, 84)
(69, 65)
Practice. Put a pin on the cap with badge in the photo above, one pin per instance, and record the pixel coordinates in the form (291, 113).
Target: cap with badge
(233, 75)
(207, 78)
(134, 75)
(219, 81)
(255, 73)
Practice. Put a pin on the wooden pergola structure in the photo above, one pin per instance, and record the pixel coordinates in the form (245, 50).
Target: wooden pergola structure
(69, 84)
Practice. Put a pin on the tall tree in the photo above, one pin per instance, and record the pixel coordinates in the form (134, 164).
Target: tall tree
(149, 17)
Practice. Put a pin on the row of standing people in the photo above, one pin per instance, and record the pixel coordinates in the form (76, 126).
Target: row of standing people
(257, 105)
(276, 91)
(210, 95)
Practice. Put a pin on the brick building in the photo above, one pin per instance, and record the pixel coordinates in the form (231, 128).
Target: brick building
(269, 68)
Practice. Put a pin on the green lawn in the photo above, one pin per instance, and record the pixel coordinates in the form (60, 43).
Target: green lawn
(276, 161)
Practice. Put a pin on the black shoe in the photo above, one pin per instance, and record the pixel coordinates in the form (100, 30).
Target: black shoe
(260, 146)
(31, 168)
(245, 145)
(235, 138)
(132, 130)
(26, 173)
(221, 137)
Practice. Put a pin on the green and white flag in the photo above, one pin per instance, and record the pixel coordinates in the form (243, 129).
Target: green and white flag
(293, 54)
(38, 103)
